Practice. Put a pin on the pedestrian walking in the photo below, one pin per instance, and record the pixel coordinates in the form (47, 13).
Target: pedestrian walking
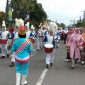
(75, 41)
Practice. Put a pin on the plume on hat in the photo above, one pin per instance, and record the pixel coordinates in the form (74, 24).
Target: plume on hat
(52, 26)
(27, 24)
(19, 22)
(32, 27)
(4, 25)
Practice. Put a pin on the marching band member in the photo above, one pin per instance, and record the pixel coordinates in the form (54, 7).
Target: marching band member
(37, 39)
(57, 38)
(32, 36)
(50, 56)
(28, 31)
(4, 37)
(45, 33)
(12, 56)
(22, 47)
(40, 36)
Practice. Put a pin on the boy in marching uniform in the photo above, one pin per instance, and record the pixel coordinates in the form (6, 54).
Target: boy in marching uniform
(40, 36)
(37, 39)
(57, 38)
(50, 56)
(22, 47)
(4, 36)
(32, 36)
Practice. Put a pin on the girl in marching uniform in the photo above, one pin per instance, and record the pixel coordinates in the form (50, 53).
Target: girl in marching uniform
(22, 47)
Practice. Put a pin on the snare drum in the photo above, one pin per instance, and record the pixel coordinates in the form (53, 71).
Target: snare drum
(48, 48)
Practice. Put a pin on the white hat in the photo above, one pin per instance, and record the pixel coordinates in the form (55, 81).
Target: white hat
(32, 27)
(4, 25)
(27, 24)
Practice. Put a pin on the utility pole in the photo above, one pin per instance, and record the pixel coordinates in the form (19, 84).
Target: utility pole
(6, 10)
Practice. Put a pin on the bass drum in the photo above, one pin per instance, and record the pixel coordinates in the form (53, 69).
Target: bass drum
(48, 48)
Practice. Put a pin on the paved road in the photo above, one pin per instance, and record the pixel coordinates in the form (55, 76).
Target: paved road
(59, 74)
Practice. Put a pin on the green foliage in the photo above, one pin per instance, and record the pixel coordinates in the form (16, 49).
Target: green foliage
(80, 23)
(31, 7)
(61, 25)
(2, 17)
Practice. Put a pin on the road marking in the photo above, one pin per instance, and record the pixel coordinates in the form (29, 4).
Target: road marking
(33, 54)
(40, 80)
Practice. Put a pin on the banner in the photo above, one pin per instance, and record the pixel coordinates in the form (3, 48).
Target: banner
(10, 14)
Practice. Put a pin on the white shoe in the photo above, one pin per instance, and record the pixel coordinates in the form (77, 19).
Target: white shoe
(72, 66)
(82, 62)
(75, 65)
(25, 82)
(66, 60)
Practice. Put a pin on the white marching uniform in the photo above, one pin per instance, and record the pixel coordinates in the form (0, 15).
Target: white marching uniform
(32, 35)
(13, 57)
(40, 35)
(50, 56)
(4, 46)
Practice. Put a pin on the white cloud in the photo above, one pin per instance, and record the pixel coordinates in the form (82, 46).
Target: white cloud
(2, 5)
(60, 10)
(63, 10)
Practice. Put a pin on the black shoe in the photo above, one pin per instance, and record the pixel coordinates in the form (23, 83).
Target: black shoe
(12, 64)
(51, 64)
(2, 57)
(72, 66)
(47, 66)
(7, 55)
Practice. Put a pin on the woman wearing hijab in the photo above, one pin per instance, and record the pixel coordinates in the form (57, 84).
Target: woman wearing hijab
(75, 41)
(83, 48)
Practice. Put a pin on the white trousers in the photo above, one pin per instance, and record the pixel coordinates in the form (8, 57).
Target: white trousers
(13, 58)
(40, 42)
(37, 43)
(4, 50)
(34, 46)
(49, 58)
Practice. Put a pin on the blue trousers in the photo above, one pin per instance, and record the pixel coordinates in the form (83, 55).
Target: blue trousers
(22, 68)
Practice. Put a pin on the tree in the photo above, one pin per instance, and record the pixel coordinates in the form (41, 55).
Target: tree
(23, 8)
(38, 15)
(2, 17)
(61, 25)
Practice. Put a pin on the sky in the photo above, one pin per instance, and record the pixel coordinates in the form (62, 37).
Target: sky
(62, 11)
